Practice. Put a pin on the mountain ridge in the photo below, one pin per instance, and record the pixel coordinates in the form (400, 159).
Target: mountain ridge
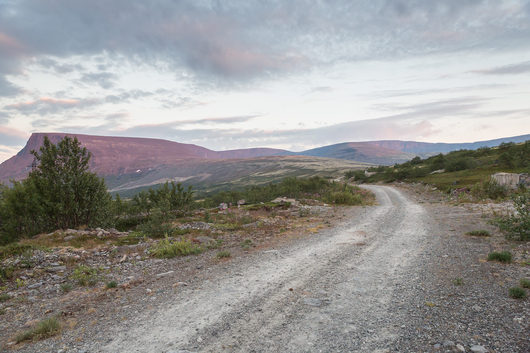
(135, 159)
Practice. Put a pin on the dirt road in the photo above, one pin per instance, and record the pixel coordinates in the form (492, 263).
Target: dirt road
(329, 294)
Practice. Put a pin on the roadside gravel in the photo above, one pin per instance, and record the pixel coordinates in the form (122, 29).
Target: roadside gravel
(381, 281)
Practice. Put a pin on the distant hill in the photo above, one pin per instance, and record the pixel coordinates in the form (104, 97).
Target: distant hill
(426, 148)
(362, 152)
(124, 155)
(129, 163)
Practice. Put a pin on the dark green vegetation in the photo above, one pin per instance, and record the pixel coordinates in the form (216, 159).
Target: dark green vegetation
(223, 254)
(517, 225)
(458, 169)
(85, 275)
(479, 233)
(517, 293)
(59, 193)
(525, 282)
(503, 256)
(169, 248)
(317, 188)
(44, 329)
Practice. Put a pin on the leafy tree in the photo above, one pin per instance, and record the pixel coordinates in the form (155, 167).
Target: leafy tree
(71, 196)
(59, 193)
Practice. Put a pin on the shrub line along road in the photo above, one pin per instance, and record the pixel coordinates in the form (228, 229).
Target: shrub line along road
(328, 293)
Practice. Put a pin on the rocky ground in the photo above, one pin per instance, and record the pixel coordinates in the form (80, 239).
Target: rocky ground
(44, 282)
(402, 276)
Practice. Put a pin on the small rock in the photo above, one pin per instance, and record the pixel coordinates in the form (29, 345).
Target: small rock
(478, 349)
(476, 307)
(35, 285)
(437, 346)
(448, 343)
(164, 274)
(313, 301)
(460, 348)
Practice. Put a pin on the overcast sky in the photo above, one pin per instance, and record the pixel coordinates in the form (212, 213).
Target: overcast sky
(286, 74)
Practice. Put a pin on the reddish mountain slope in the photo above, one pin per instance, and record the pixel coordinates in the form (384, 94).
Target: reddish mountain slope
(124, 155)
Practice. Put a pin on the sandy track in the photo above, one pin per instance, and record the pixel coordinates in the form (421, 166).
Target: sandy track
(326, 294)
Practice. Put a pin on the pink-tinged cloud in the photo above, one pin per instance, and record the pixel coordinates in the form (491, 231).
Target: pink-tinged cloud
(5, 130)
(41, 101)
(46, 105)
(10, 45)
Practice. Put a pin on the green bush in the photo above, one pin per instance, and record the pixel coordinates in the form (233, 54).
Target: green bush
(461, 163)
(6, 273)
(517, 226)
(503, 256)
(157, 225)
(59, 193)
(111, 284)
(517, 293)
(489, 189)
(344, 198)
(15, 249)
(85, 275)
(168, 248)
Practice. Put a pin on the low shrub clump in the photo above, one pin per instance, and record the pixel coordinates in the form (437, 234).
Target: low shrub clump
(517, 225)
(223, 254)
(503, 256)
(6, 273)
(111, 284)
(85, 275)
(479, 233)
(44, 329)
(168, 248)
(14, 249)
(517, 293)
(489, 189)
(525, 282)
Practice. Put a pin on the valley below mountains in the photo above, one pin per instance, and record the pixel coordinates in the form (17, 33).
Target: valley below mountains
(131, 164)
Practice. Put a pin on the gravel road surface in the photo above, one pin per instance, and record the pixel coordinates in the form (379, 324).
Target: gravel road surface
(331, 293)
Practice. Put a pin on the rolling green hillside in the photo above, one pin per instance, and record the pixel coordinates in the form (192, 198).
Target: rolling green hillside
(456, 169)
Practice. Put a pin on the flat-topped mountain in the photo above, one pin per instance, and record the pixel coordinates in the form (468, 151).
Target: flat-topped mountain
(123, 155)
(130, 163)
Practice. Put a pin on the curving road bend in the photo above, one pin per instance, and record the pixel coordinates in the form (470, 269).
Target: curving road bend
(327, 293)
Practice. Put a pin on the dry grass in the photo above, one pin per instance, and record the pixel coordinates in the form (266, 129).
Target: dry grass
(44, 329)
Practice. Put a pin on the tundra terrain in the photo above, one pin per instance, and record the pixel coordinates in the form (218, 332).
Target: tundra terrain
(399, 276)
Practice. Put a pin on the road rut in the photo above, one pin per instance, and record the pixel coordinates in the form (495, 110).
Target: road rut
(328, 293)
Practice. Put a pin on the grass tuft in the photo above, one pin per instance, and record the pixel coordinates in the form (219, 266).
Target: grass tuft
(479, 233)
(458, 281)
(85, 275)
(4, 297)
(66, 287)
(503, 256)
(517, 293)
(44, 329)
(524, 282)
(246, 244)
(167, 248)
(111, 284)
(223, 254)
